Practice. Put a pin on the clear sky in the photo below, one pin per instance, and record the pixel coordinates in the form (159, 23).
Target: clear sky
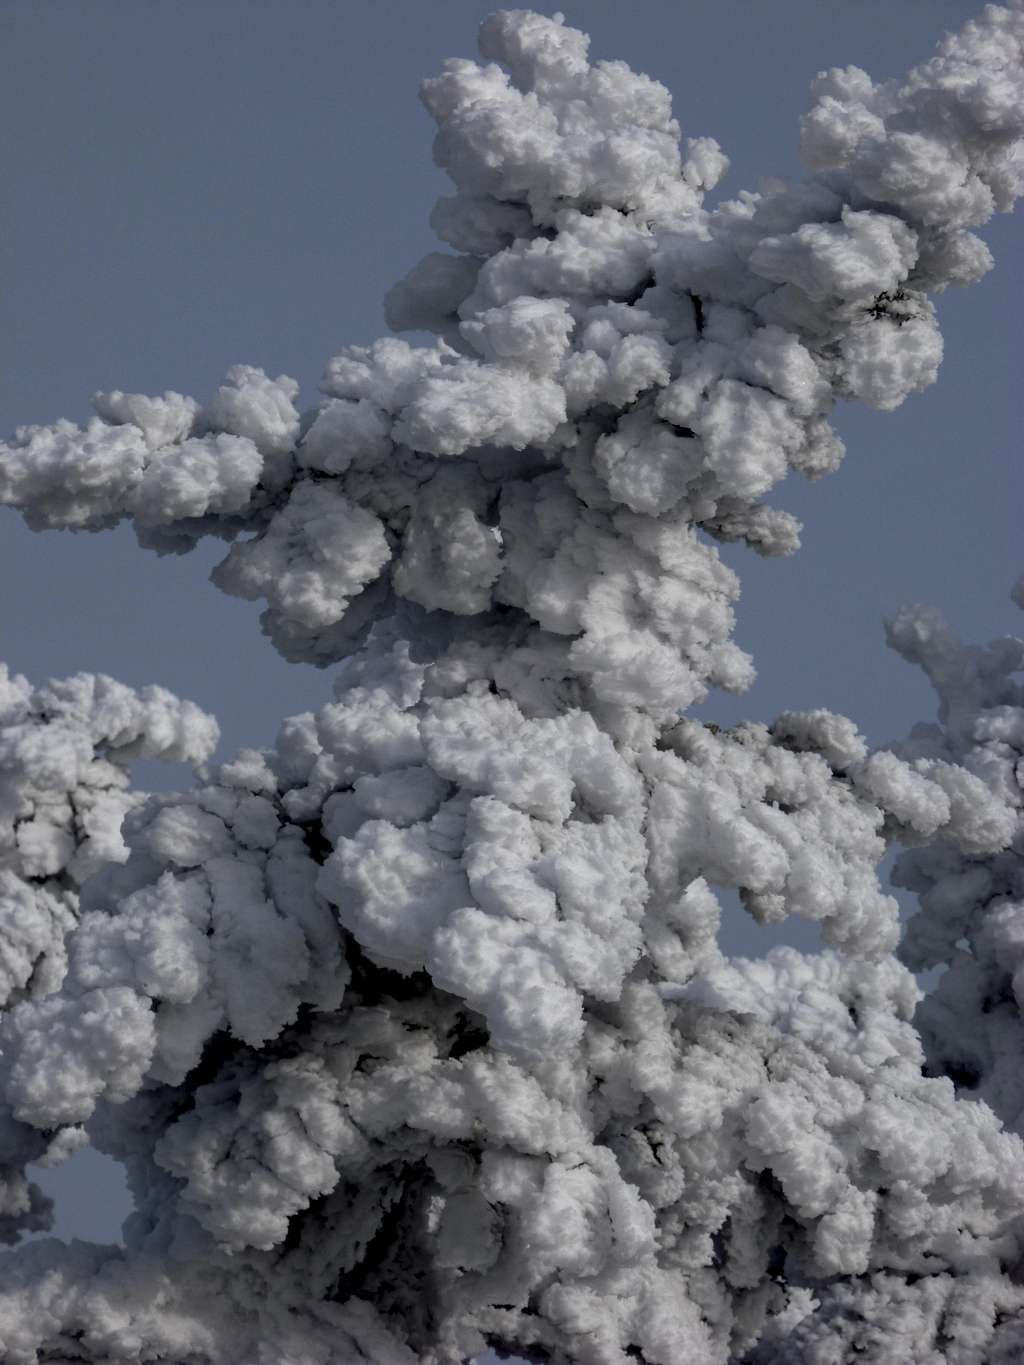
(195, 183)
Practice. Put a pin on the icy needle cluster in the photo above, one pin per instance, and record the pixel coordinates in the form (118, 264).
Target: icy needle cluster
(971, 919)
(65, 756)
(616, 367)
(413, 1031)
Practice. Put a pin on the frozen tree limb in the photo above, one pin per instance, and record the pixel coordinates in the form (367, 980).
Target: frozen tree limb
(413, 1031)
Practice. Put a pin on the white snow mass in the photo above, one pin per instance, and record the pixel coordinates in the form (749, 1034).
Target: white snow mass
(412, 1031)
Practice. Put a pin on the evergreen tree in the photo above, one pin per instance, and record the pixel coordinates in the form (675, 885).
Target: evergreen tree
(412, 1031)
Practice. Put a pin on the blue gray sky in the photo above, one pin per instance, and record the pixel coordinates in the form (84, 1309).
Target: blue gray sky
(195, 183)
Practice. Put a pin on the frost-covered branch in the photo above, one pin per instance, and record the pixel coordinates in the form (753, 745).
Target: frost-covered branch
(616, 366)
(65, 755)
(413, 1031)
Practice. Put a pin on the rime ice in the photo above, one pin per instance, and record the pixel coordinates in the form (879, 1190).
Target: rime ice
(434, 981)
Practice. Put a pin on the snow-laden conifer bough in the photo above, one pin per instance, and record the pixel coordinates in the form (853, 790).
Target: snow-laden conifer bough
(412, 1032)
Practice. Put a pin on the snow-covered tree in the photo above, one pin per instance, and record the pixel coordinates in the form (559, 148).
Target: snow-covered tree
(412, 1031)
